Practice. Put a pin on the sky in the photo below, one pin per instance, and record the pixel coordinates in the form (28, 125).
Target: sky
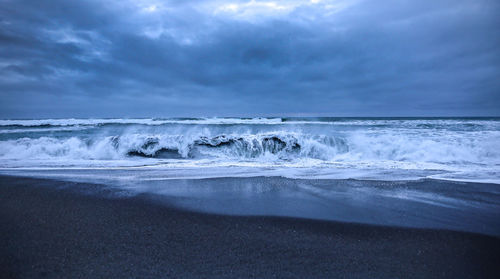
(195, 58)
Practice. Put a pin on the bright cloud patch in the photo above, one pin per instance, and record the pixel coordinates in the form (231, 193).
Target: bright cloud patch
(261, 10)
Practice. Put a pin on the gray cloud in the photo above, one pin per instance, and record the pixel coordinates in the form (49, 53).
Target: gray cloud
(112, 59)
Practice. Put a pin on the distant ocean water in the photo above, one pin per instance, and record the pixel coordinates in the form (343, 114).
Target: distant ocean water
(461, 149)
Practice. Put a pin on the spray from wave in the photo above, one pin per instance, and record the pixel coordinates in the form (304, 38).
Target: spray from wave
(283, 146)
(443, 145)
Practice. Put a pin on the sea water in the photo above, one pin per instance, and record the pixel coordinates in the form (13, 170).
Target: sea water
(420, 172)
(462, 149)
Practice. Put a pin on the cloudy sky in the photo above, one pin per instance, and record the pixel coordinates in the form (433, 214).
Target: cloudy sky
(152, 58)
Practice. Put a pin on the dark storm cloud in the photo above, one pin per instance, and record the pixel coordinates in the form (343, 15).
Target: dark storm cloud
(185, 58)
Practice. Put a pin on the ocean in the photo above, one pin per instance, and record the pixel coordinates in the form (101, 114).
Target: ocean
(423, 172)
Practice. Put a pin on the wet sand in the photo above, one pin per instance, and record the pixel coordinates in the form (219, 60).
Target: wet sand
(50, 230)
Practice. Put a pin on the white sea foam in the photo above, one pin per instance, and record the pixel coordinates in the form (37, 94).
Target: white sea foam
(42, 129)
(476, 148)
(389, 149)
(141, 121)
(485, 123)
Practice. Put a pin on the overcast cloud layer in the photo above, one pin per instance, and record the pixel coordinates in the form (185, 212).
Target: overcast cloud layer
(149, 58)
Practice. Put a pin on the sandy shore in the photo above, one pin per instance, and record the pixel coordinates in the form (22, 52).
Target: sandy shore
(50, 232)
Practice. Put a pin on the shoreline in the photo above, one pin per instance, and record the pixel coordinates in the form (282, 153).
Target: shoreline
(431, 204)
(50, 230)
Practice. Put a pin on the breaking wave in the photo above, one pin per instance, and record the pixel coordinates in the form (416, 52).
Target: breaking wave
(478, 123)
(460, 149)
(138, 121)
(272, 146)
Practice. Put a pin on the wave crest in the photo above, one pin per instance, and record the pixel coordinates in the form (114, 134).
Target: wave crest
(356, 148)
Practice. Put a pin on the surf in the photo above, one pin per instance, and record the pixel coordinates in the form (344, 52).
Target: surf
(463, 147)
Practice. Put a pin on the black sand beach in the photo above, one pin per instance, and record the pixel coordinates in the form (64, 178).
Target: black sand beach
(48, 230)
